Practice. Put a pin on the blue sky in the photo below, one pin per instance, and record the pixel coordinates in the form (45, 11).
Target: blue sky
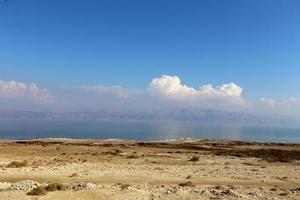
(54, 43)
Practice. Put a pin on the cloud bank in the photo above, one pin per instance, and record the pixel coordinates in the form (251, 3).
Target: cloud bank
(113, 90)
(10, 90)
(269, 102)
(162, 92)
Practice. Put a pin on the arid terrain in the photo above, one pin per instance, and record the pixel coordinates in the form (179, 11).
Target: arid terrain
(63, 169)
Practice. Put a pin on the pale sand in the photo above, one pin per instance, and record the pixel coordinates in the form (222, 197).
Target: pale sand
(153, 170)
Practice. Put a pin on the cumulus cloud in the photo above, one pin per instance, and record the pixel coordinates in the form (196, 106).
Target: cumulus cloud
(170, 87)
(19, 90)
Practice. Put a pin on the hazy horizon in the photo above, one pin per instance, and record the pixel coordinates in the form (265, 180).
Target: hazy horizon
(147, 56)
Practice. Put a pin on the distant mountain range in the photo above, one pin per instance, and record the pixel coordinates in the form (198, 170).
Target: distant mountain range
(187, 115)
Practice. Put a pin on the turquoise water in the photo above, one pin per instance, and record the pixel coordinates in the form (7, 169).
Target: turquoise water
(142, 130)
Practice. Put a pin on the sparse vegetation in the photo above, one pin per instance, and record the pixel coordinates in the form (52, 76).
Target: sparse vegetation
(17, 164)
(49, 188)
(274, 189)
(73, 175)
(124, 186)
(132, 156)
(55, 187)
(118, 151)
(270, 155)
(194, 158)
(37, 191)
(114, 152)
(185, 184)
(189, 177)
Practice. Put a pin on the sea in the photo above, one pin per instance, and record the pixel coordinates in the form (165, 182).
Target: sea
(143, 130)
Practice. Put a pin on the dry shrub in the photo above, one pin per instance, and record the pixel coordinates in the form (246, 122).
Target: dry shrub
(185, 184)
(270, 155)
(132, 156)
(55, 187)
(194, 159)
(73, 175)
(189, 177)
(118, 151)
(17, 164)
(124, 186)
(37, 191)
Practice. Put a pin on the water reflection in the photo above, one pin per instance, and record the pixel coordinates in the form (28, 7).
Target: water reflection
(142, 130)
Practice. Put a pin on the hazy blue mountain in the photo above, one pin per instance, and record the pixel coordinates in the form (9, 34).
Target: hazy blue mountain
(187, 114)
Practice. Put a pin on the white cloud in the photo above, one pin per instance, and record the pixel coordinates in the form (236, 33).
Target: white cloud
(170, 87)
(292, 100)
(268, 101)
(230, 89)
(113, 90)
(19, 90)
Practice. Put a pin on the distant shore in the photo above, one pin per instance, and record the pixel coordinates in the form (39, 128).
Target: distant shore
(183, 139)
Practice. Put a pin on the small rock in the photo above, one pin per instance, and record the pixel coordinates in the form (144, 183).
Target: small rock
(83, 186)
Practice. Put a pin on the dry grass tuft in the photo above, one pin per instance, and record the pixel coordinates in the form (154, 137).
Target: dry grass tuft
(185, 184)
(124, 186)
(194, 158)
(189, 177)
(132, 156)
(37, 191)
(55, 187)
(73, 175)
(49, 188)
(17, 164)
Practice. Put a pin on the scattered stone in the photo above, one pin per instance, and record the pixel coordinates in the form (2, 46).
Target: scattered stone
(223, 191)
(24, 185)
(83, 186)
(4, 185)
(295, 191)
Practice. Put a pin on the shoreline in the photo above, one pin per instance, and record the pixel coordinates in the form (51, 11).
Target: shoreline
(183, 139)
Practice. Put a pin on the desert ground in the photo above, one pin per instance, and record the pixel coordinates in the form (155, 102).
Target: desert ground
(63, 169)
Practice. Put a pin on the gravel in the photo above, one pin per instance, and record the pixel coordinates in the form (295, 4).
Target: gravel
(83, 186)
(24, 185)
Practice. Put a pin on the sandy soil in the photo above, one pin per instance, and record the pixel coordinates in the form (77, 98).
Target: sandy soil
(187, 169)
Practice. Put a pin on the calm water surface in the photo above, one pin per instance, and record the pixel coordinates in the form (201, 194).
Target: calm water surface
(142, 130)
